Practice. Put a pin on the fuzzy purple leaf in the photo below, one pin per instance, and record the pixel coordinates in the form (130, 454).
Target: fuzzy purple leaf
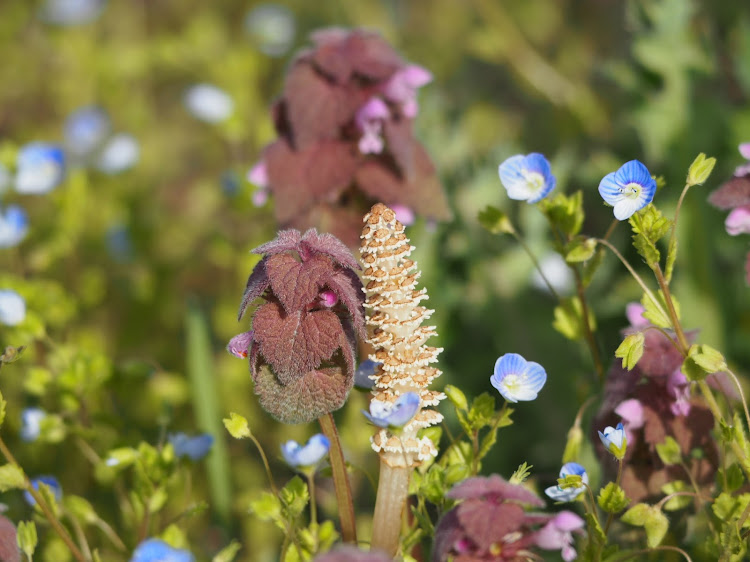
(494, 487)
(731, 194)
(285, 241)
(257, 283)
(297, 283)
(330, 246)
(486, 522)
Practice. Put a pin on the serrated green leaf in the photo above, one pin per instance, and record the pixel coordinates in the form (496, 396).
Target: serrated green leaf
(456, 396)
(565, 211)
(631, 350)
(26, 538)
(580, 249)
(669, 451)
(677, 502)
(237, 426)
(656, 313)
(295, 496)
(11, 477)
(700, 169)
(327, 535)
(646, 249)
(735, 478)
(495, 220)
(482, 411)
(596, 533)
(612, 498)
(656, 525)
(228, 553)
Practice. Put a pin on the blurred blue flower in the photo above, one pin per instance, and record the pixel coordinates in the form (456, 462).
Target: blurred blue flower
(14, 225)
(12, 308)
(614, 440)
(230, 182)
(363, 373)
(40, 168)
(85, 130)
(71, 12)
(194, 447)
(120, 153)
(393, 414)
(50, 481)
(527, 178)
(156, 550)
(119, 243)
(629, 189)
(271, 27)
(31, 423)
(568, 494)
(517, 379)
(208, 103)
(296, 455)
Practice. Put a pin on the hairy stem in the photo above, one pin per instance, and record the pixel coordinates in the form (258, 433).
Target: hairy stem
(340, 479)
(393, 490)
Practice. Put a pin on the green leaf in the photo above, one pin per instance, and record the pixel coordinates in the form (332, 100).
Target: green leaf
(228, 553)
(677, 502)
(671, 257)
(482, 411)
(702, 360)
(656, 315)
(656, 525)
(734, 477)
(729, 508)
(612, 498)
(636, 515)
(669, 452)
(26, 538)
(495, 220)
(456, 396)
(11, 477)
(80, 508)
(122, 457)
(295, 496)
(595, 529)
(36, 380)
(700, 169)
(327, 535)
(237, 426)
(569, 319)
(631, 350)
(565, 211)
(157, 500)
(580, 249)
(651, 223)
(267, 508)
(592, 265)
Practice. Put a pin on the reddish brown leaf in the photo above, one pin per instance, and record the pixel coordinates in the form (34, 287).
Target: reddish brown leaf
(285, 241)
(495, 487)
(400, 141)
(257, 283)
(297, 283)
(348, 289)
(341, 52)
(486, 522)
(8, 546)
(298, 342)
(731, 194)
(329, 245)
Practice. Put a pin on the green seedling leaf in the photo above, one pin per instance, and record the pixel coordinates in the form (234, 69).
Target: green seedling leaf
(631, 350)
(237, 426)
(656, 525)
(482, 411)
(456, 396)
(228, 553)
(26, 538)
(658, 316)
(268, 508)
(569, 319)
(700, 169)
(295, 496)
(669, 452)
(636, 515)
(11, 477)
(580, 249)
(612, 498)
(495, 220)
(734, 477)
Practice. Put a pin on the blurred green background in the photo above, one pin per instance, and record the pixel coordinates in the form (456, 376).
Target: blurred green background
(140, 333)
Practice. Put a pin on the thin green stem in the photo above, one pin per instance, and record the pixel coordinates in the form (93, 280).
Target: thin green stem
(78, 530)
(632, 272)
(536, 265)
(665, 499)
(269, 474)
(742, 395)
(611, 229)
(340, 479)
(630, 555)
(677, 214)
(672, 310)
(587, 330)
(313, 509)
(51, 517)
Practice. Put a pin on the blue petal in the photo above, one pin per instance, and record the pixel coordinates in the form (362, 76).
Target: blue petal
(568, 494)
(609, 189)
(193, 447)
(510, 363)
(50, 481)
(86, 129)
(156, 550)
(536, 376)
(404, 409)
(634, 171)
(573, 468)
(295, 455)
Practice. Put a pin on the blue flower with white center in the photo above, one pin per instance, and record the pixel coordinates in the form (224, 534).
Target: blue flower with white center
(527, 178)
(364, 371)
(40, 168)
(50, 481)
(14, 225)
(193, 447)
(12, 308)
(156, 550)
(310, 454)
(569, 494)
(208, 103)
(31, 424)
(120, 153)
(393, 414)
(516, 379)
(85, 130)
(614, 440)
(629, 189)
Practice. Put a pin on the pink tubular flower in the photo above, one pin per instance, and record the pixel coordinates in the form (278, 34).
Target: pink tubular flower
(634, 312)
(678, 388)
(738, 221)
(403, 85)
(369, 119)
(258, 176)
(558, 534)
(404, 214)
(239, 344)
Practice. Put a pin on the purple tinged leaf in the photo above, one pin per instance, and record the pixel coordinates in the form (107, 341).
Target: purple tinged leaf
(285, 241)
(331, 246)
(494, 487)
(257, 284)
(486, 522)
(731, 194)
(345, 284)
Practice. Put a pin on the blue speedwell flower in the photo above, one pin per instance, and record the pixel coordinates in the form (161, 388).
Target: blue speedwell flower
(568, 494)
(194, 447)
(31, 423)
(50, 481)
(527, 178)
(208, 103)
(14, 225)
(40, 168)
(120, 153)
(393, 414)
(85, 130)
(629, 189)
(71, 12)
(296, 455)
(516, 379)
(363, 373)
(156, 550)
(12, 308)
(614, 440)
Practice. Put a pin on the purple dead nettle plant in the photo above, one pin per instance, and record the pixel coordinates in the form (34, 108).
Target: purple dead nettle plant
(398, 340)
(345, 137)
(304, 338)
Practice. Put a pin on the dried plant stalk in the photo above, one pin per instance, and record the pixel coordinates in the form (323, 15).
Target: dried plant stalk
(398, 338)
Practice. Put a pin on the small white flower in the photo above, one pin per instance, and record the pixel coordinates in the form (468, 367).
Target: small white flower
(209, 103)
(12, 308)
